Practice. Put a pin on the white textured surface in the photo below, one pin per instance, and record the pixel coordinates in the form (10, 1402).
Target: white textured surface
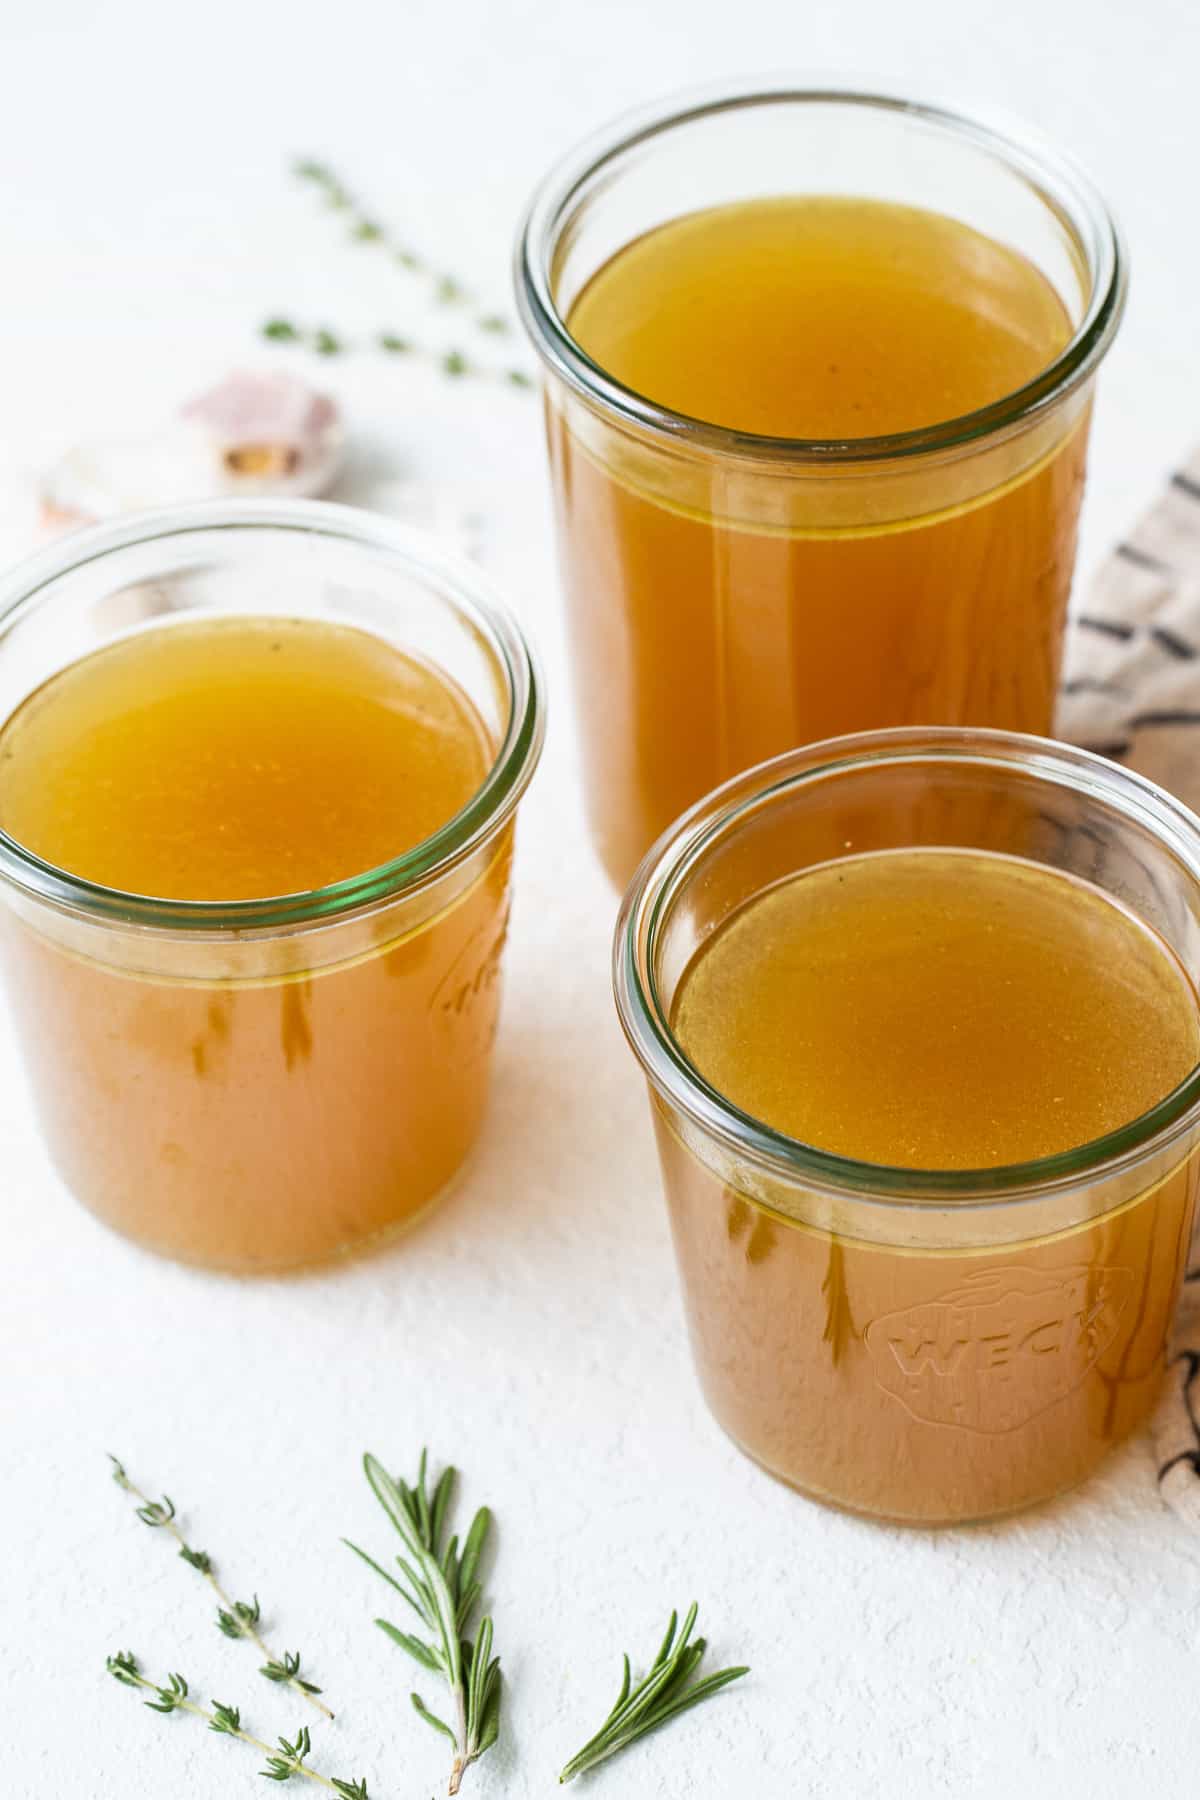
(531, 1328)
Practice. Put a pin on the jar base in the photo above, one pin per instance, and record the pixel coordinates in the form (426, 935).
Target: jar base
(351, 1249)
(911, 1522)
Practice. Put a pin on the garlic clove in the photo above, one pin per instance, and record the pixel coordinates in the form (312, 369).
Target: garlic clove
(269, 433)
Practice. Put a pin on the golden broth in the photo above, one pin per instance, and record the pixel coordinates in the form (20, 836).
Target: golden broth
(723, 612)
(253, 1105)
(932, 1009)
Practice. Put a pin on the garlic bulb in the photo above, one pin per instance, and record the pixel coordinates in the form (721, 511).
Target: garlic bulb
(252, 434)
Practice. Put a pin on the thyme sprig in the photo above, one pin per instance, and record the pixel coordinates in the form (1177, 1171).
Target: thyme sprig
(448, 289)
(284, 1759)
(441, 1585)
(453, 362)
(235, 1618)
(665, 1692)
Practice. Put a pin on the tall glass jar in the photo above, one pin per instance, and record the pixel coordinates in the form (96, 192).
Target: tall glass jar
(257, 1084)
(926, 1347)
(731, 596)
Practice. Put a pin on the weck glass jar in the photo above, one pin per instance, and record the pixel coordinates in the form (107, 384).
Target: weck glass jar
(256, 1083)
(920, 1345)
(818, 370)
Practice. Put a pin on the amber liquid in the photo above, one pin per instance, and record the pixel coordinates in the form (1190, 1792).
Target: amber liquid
(266, 1118)
(933, 1009)
(722, 614)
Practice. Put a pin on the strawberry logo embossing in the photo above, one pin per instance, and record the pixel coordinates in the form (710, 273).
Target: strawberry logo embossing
(1001, 1347)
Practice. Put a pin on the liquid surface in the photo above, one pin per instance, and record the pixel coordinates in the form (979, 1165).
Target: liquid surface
(938, 1009)
(820, 317)
(237, 758)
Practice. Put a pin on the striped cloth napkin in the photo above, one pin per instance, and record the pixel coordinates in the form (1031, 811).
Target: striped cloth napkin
(1132, 691)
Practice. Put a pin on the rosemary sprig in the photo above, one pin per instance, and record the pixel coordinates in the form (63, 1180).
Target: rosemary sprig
(441, 1585)
(284, 1758)
(235, 1618)
(665, 1692)
(453, 362)
(448, 290)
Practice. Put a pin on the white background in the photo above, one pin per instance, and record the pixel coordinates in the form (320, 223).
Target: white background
(530, 1329)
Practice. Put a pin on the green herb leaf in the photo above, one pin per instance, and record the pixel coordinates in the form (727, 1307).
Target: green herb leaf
(154, 1513)
(432, 1719)
(666, 1691)
(415, 1648)
(171, 1697)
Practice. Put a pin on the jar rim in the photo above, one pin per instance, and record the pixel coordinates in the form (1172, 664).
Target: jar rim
(31, 582)
(1067, 190)
(677, 856)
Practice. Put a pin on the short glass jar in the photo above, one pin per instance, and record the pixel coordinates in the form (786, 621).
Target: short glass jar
(257, 1084)
(731, 595)
(920, 1346)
